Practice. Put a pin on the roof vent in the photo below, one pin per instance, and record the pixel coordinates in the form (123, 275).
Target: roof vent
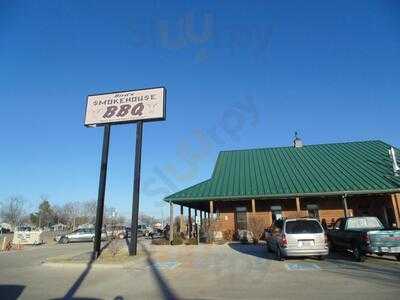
(297, 142)
(396, 168)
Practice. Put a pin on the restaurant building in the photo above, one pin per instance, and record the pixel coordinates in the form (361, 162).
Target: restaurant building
(325, 181)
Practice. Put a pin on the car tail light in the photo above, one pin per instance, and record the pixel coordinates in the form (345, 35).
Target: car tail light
(284, 241)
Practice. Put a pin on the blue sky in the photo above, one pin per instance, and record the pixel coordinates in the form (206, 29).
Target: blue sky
(238, 75)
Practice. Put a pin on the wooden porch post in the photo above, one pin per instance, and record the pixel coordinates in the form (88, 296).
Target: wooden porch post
(181, 220)
(396, 209)
(298, 207)
(171, 221)
(211, 209)
(346, 211)
(253, 205)
(195, 224)
(190, 222)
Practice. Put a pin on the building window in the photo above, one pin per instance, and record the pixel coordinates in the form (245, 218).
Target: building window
(241, 218)
(276, 212)
(313, 211)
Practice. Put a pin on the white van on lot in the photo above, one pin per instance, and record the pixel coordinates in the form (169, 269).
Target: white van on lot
(297, 237)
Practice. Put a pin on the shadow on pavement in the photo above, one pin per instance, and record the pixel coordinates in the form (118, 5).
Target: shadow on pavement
(382, 274)
(166, 290)
(10, 291)
(346, 261)
(258, 250)
(78, 282)
(74, 288)
(339, 263)
(344, 254)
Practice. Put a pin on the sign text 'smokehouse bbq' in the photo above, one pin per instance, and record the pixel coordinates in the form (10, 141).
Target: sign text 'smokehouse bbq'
(125, 107)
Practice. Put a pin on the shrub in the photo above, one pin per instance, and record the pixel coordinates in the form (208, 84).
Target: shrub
(256, 225)
(160, 242)
(210, 227)
(228, 234)
(191, 241)
(177, 240)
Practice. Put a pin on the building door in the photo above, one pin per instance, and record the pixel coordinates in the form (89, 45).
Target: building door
(313, 211)
(276, 212)
(241, 218)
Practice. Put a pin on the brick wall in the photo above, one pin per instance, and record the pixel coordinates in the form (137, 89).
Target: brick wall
(330, 208)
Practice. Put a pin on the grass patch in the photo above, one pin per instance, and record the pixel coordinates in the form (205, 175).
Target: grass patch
(122, 256)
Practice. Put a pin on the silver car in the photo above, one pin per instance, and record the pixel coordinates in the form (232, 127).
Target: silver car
(80, 235)
(297, 237)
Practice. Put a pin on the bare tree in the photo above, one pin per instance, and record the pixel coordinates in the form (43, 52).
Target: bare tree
(73, 211)
(121, 219)
(68, 213)
(146, 219)
(89, 210)
(12, 210)
(256, 225)
(111, 216)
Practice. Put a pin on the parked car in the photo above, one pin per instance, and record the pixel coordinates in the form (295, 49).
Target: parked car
(156, 233)
(364, 235)
(24, 228)
(144, 229)
(297, 237)
(4, 230)
(80, 235)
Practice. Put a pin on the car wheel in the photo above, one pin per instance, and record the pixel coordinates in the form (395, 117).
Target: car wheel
(398, 257)
(357, 254)
(279, 254)
(321, 257)
(64, 240)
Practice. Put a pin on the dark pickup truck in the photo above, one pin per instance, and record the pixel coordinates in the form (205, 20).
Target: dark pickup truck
(364, 235)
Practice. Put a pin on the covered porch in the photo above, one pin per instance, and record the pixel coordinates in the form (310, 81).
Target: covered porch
(232, 213)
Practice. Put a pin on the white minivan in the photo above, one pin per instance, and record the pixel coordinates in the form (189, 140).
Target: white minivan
(297, 237)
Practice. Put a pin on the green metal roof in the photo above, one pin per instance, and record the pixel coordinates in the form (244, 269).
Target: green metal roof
(314, 170)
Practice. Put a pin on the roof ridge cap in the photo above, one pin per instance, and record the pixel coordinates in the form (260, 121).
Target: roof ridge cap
(305, 146)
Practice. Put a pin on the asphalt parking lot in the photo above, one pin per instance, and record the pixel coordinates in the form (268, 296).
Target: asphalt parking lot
(230, 271)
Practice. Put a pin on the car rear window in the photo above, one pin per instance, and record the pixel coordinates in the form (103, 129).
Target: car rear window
(303, 226)
(364, 222)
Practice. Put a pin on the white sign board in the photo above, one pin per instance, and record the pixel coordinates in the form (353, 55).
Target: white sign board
(126, 107)
(28, 237)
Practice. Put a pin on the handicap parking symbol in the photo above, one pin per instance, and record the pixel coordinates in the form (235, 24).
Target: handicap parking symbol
(166, 265)
(302, 266)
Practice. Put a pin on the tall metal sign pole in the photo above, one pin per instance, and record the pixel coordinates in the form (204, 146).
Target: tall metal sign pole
(102, 190)
(133, 106)
(136, 189)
